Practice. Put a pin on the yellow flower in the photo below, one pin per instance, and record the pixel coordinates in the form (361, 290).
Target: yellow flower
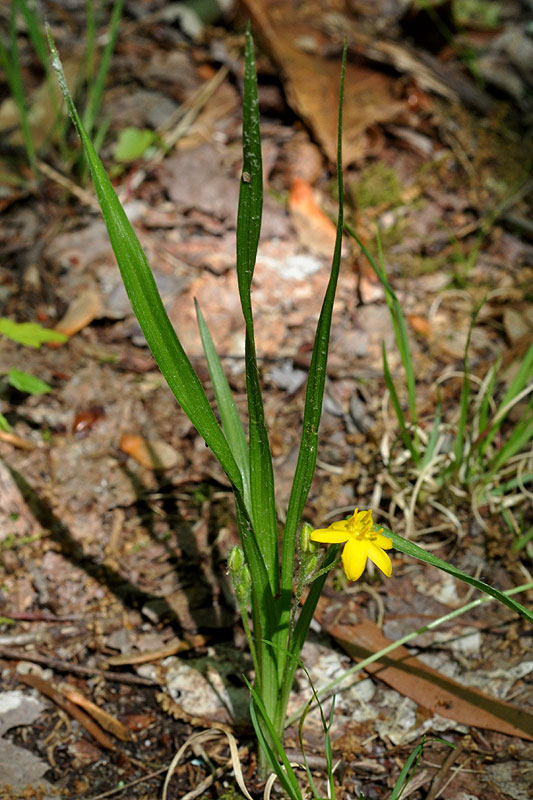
(362, 542)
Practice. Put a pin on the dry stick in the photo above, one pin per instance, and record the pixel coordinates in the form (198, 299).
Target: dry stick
(438, 780)
(66, 666)
(47, 689)
(83, 196)
(171, 649)
(179, 123)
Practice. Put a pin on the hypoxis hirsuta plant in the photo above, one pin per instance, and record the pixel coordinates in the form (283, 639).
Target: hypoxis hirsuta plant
(268, 586)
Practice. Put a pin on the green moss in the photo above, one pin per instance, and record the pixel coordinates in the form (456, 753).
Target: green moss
(230, 793)
(378, 184)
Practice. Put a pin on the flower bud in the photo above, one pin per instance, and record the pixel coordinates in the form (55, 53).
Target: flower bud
(306, 545)
(235, 560)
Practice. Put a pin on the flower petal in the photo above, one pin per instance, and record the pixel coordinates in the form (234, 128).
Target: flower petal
(354, 558)
(380, 558)
(330, 535)
(382, 541)
(342, 525)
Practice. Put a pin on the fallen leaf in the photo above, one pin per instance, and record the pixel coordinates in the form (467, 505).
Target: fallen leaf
(104, 719)
(138, 722)
(426, 686)
(80, 313)
(419, 324)
(311, 80)
(83, 753)
(315, 230)
(150, 453)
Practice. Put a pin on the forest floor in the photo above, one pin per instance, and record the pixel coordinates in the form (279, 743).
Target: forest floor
(113, 582)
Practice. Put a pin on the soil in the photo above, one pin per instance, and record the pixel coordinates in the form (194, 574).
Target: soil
(116, 520)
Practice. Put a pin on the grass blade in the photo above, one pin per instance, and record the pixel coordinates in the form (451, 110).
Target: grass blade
(484, 405)
(231, 422)
(459, 443)
(411, 549)
(517, 385)
(271, 744)
(248, 231)
(400, 328)
(400, 332)
(146, 301)
(9, 56)
(314, 396)
(407, 439)
(34, 27)
(433, 436)
(520, 437)
(96, 86)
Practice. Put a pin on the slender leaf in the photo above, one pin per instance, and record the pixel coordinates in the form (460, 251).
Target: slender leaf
(146, 301)
(35, 31)
(272, 745)
(410, 766)
(433, 436)
(11, 62)
(520, 437)
(231, 421)
(411, 549)
(96, 87)
(458, 448)
(400, 332)
(517, 384)
(314, 396)
(248, 231)
(4, 424)
(389, 383)
(400, 328)
(484, 406)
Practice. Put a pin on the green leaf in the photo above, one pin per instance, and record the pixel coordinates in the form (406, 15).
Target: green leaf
(521, 436)
(272, 745)
(4, 424)
(303, 622)
(413, 550)
(411, 765)
(146, 301)
(314, 396)
(389, 383)
(96, 85)
(517, 385)
(398, 322)
(248, 231)
(10, 58)
(231, 422)
(132, 143)
(30, 334)
(27, 383)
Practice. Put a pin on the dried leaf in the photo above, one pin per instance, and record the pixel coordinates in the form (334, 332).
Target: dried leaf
(153, 454)
(426, 686)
